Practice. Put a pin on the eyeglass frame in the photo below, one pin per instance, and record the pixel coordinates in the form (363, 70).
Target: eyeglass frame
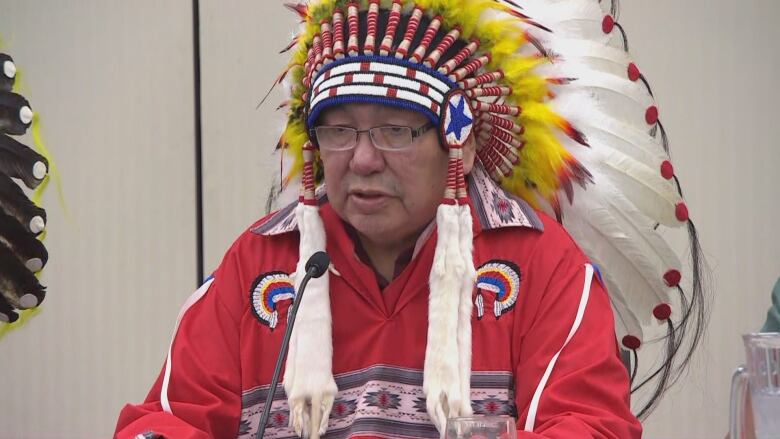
(415, 132)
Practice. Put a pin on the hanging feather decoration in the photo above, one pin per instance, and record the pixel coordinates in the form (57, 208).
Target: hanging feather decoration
(22, 222)
(615, 220)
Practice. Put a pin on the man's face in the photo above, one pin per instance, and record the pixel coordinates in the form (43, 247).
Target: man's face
(387, 196)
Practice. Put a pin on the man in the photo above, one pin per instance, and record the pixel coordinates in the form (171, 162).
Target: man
(447, 295)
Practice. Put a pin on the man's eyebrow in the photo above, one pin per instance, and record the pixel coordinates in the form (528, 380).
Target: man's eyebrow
(329, 119)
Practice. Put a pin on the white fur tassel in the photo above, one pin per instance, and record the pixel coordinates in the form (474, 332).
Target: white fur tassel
(465, 307)
(441, 377)
(308, 375)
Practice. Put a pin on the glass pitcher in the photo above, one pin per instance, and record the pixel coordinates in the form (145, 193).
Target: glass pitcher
(759, 378)
(481, 427)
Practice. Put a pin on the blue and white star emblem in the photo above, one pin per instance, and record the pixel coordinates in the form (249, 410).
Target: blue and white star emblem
(457, 120)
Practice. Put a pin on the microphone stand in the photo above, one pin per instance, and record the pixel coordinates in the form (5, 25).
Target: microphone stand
(310, 273)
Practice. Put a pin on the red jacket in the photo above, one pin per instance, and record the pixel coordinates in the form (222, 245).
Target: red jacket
(532, 279)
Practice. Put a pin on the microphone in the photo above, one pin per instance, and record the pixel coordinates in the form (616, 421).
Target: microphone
(316, 266)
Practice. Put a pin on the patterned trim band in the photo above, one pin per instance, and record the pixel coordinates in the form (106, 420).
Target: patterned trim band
(380, 79)
(379, 401)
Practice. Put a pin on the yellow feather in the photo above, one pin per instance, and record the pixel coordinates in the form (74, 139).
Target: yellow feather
(502, 37)
(463, 13)
(293, 139)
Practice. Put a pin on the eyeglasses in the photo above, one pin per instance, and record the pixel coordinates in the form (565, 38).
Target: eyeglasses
(385, 138)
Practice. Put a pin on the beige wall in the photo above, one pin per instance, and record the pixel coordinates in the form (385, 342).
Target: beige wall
(113, 81)
(713, 68)
(240, 60)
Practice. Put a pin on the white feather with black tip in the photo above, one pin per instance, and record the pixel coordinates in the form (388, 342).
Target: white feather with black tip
(633, 257)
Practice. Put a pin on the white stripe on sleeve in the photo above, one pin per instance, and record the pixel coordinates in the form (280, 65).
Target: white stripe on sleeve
(200, 292)
(531, 419)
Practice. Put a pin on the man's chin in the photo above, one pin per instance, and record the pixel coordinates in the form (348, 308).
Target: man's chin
(383, 232)
(375, 228)
(369, 225)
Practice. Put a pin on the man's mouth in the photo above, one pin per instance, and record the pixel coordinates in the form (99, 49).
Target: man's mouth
(369, 201)
(368, 193)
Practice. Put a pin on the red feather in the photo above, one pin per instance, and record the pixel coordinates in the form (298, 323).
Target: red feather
(278, 81)
(537, 44)
(555, 203)
(284, 104)
(510, 2)
(560, 81)
(527, 19)
(281, 144)
(299, 8)
(572, 132)
(291, 45)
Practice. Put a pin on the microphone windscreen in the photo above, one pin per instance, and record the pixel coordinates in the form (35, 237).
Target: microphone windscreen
(317, 264)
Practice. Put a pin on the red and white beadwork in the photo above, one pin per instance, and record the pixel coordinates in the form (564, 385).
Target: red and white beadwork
(380, 78)
(501, 280)
(268, 291)
(385, 68)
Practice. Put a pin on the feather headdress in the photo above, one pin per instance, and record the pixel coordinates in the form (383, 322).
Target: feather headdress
(553, 102)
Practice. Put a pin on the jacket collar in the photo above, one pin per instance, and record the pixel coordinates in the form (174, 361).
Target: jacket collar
(493, 207)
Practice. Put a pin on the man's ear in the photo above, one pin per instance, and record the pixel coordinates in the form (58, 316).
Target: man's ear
(469, 153)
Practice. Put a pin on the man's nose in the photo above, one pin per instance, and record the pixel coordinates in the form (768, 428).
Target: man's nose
(366, 158)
